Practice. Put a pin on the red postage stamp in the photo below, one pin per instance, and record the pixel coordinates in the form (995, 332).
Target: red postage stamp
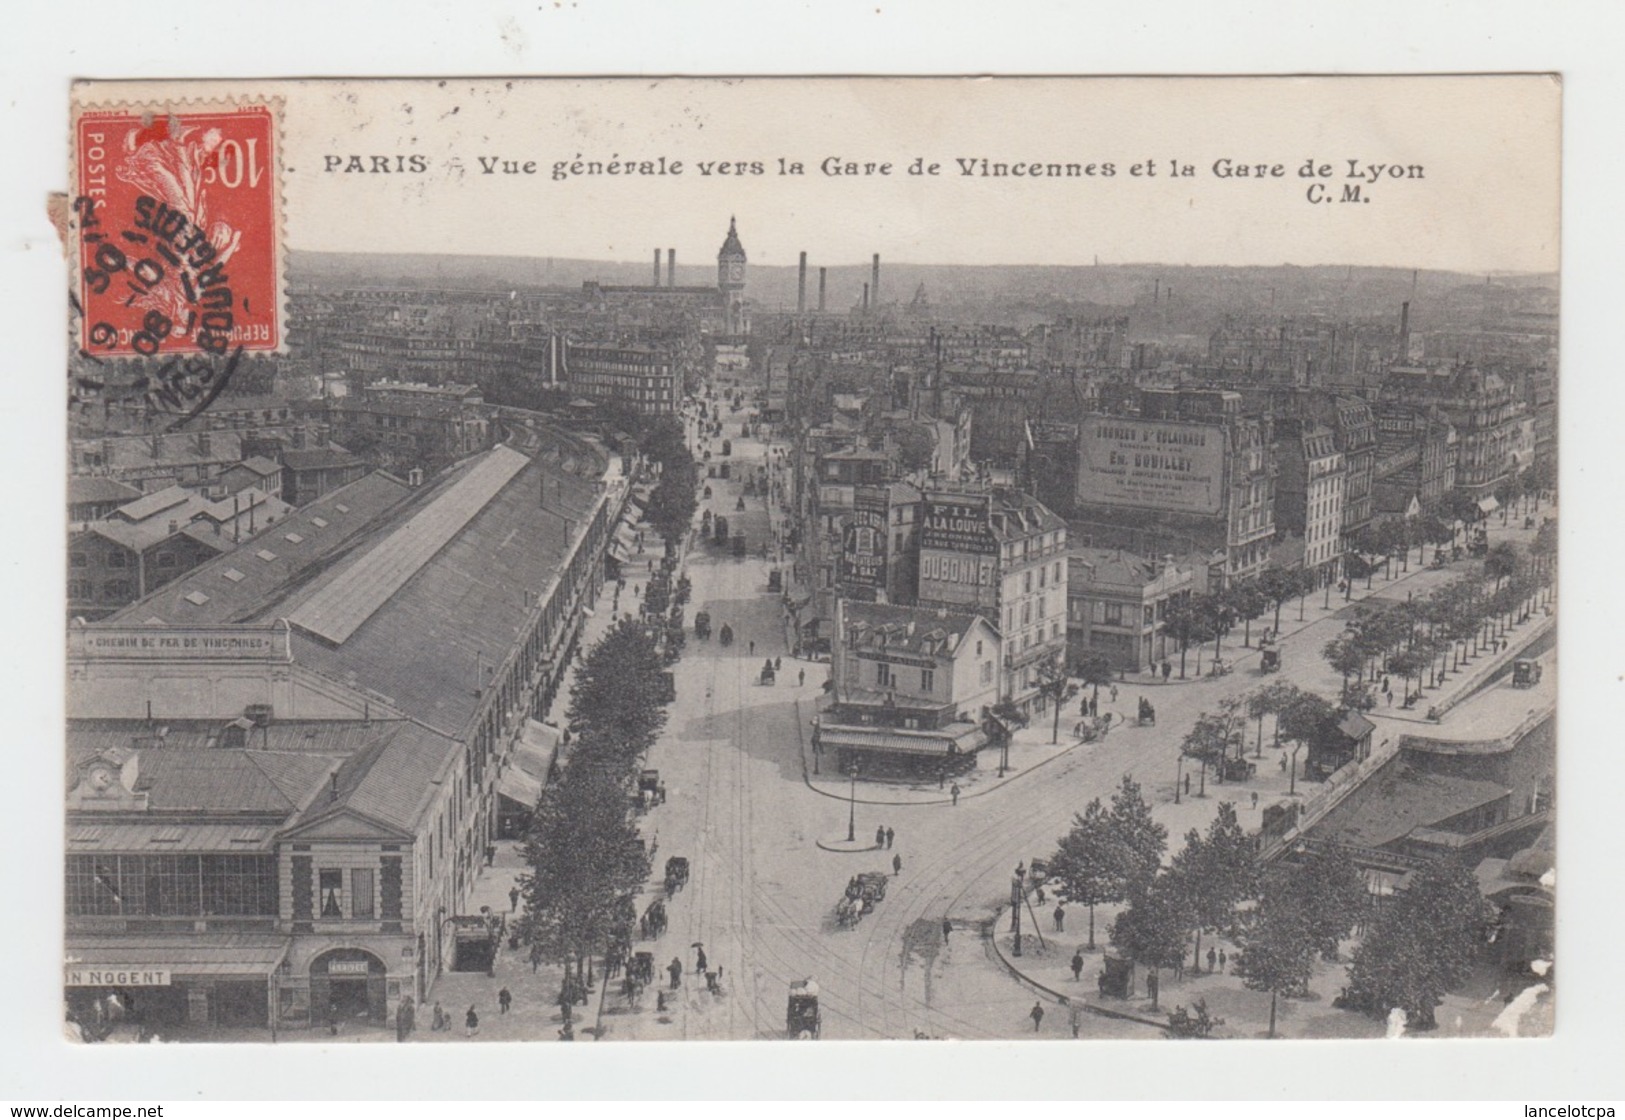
(178, 216)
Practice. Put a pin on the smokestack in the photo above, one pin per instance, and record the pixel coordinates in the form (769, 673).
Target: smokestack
(1405, 331)
(657, 268)
(822, 277)
(866, 297)
(874, 280)
(1156, 292)
(671, 268)
(801, 287)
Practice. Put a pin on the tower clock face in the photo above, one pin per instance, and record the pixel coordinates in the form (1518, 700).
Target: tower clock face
(736, 271)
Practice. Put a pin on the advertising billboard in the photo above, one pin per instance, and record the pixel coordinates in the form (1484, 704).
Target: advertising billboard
(1151, 464)
(863, 540)
(957, 524)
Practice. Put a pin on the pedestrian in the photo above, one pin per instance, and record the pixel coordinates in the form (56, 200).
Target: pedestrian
(471, 1022)
(1187, 784)
(1036, 1015)
(711, 984)
(699, 958)
(513, 899)
(660, 1001)
(1212, 958)
(1076, 1017)
(676, 970)
(890, 835)
(778, 664)
(801, 678)
(753, 647)
(440, 1021)
(1386, 687)
(880, 836)
(504, 1001)
(953, 791)
(1114, 694)
(1283, 754)
(490, 854)
(1255, 799)
(1041, 898)
(405, 1019)
(660, 793)
(1221, 960)
(1167, 670)
(1060, 918)
(896, 865)
(1389, 696)
(1077, 965)
(947, 928)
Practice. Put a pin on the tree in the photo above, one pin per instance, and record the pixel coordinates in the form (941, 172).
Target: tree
(1092, 864)
(1056, 688)
(1183, 620)
(617, 693)
(1215, 619)
(1248, 602)
(585, 865)
(1277, 585)
(1217, 871)
(1154, 927)
(1270, 700)
(1501, 562)
(916, 446)
(1346, 656)
(1277, 954)
(1306, 719)
(1330, 891)
(1143, 840)
(1213, 736)
(1423, 944)
(1094, 669)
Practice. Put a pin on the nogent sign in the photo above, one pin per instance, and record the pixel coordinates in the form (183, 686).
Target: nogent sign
(118, 978)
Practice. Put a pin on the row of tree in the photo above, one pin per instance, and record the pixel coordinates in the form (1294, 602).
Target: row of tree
(586, 862)
(1416, 947)
(1427, 637)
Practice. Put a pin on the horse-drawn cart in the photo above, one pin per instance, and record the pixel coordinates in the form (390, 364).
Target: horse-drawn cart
(676, 874)
(801, 1015)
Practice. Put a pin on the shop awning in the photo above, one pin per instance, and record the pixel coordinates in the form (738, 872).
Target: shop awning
(1488, 504)
(115, 962)
(532, 757)
(963, 739)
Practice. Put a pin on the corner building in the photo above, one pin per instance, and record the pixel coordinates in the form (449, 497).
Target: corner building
(1003, 554)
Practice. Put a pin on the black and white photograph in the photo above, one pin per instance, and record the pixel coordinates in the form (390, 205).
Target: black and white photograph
(1003, 559)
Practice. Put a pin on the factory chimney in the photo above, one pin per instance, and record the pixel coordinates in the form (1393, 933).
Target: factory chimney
(874, 281)
(657, 268)
(801, 287)
(671, 268)
(1405, 331)
(866, 297)
(822, 277)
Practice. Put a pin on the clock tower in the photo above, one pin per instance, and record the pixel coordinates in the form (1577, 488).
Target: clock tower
(731, 280)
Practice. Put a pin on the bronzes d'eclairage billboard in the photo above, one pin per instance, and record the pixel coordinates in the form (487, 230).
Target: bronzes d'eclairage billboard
(1151, 464)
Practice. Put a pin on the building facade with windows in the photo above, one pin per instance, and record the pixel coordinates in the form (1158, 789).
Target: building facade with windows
(1002, 553)
(1116, 603)
(912, 686)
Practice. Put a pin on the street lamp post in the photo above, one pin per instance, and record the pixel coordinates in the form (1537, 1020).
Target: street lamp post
(1293, 788)
(1179, 773)
(852, 807)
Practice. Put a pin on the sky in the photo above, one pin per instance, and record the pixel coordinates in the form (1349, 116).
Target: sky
(1453, 172)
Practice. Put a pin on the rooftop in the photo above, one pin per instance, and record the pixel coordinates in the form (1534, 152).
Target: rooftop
(432, 644)
(1399, 798)
(90, 488)
(921, 631)
(239, 585)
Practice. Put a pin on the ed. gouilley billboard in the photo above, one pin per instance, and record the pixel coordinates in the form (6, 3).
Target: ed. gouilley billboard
(1151, 464)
